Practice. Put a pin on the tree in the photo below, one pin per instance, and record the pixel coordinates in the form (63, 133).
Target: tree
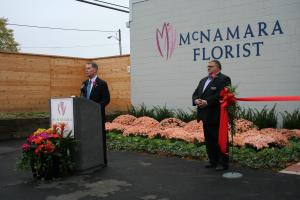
(7, 40)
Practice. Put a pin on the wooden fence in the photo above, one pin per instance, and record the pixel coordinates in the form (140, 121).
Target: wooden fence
(27, 81)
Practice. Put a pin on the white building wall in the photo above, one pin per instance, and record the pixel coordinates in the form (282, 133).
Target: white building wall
(157, 81)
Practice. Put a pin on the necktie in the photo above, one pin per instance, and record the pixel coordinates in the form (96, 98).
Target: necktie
(88, 92)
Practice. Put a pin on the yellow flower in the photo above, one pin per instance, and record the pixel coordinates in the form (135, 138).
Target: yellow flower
(49, 130)
(39, 131)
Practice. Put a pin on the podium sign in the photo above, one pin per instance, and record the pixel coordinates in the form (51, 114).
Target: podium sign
(62, 112)
(82, 117)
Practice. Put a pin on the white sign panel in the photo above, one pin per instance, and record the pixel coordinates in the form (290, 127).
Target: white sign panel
(62, 112)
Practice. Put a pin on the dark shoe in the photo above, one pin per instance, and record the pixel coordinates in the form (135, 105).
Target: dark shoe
(210, 166)
(221, 168)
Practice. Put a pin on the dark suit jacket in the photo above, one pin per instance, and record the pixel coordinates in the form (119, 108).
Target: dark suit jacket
(211, 113)
(99, 94)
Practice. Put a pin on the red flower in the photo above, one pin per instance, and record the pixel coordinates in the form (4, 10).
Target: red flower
(49, 147)
(54, 128)
(37, 140)
(38, 149)
(25, 147)
(44, 148)
(62, 129)
(95, 84)
(55, 136)
(213, 75)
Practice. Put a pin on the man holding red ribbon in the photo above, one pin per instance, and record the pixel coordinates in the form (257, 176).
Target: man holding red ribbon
(207, 99)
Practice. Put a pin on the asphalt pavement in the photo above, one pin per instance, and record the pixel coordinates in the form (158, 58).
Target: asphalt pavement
(141, 176)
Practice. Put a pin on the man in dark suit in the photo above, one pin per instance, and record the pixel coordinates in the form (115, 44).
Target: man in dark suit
(96, 90)
(207, 99)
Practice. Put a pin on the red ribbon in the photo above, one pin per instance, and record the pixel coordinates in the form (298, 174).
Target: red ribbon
(273, 98)
(228, 99)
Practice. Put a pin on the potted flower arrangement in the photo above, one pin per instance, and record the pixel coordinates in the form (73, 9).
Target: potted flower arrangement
(48, 153)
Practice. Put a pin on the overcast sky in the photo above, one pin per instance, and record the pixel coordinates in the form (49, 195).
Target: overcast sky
(67, 14)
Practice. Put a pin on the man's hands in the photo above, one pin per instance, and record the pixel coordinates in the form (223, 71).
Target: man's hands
(201, 103)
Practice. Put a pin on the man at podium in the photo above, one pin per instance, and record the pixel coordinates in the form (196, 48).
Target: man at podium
(96, 90)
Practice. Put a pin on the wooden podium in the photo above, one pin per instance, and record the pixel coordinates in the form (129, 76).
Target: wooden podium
(83, 118)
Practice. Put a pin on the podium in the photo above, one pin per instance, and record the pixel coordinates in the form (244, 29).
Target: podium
(83, 118)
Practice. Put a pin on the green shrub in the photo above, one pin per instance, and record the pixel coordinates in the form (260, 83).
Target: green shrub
(161, 113)
(244, 113)
(116, 141)
(140, 111)
(186, 116)
(23, 115)
(270, 158)
(291, 120)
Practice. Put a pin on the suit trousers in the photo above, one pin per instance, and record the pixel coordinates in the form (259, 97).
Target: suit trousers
(211, 135)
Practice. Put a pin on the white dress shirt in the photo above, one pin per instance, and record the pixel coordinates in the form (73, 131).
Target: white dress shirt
(208, 80)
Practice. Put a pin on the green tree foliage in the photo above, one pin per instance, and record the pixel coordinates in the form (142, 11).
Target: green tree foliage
(7, 41)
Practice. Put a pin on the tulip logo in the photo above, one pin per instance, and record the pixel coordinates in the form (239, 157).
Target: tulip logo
(61, 107)
(166, 40)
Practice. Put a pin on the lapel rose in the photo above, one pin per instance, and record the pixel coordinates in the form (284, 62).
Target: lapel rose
(95, 84)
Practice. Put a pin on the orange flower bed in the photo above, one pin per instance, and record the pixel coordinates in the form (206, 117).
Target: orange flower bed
(171, 123)
(114, 127)
(145, 121)
(280, 139)
(194, 126)
(124, 119)
(136, 130)
(295, 133)
(253, 138)
(178, 133)
(171, 128)
(242, 125)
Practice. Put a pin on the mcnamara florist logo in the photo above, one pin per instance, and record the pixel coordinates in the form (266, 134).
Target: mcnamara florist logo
(218, 43)
(61, 108)
(166, 40)
(237, 33)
